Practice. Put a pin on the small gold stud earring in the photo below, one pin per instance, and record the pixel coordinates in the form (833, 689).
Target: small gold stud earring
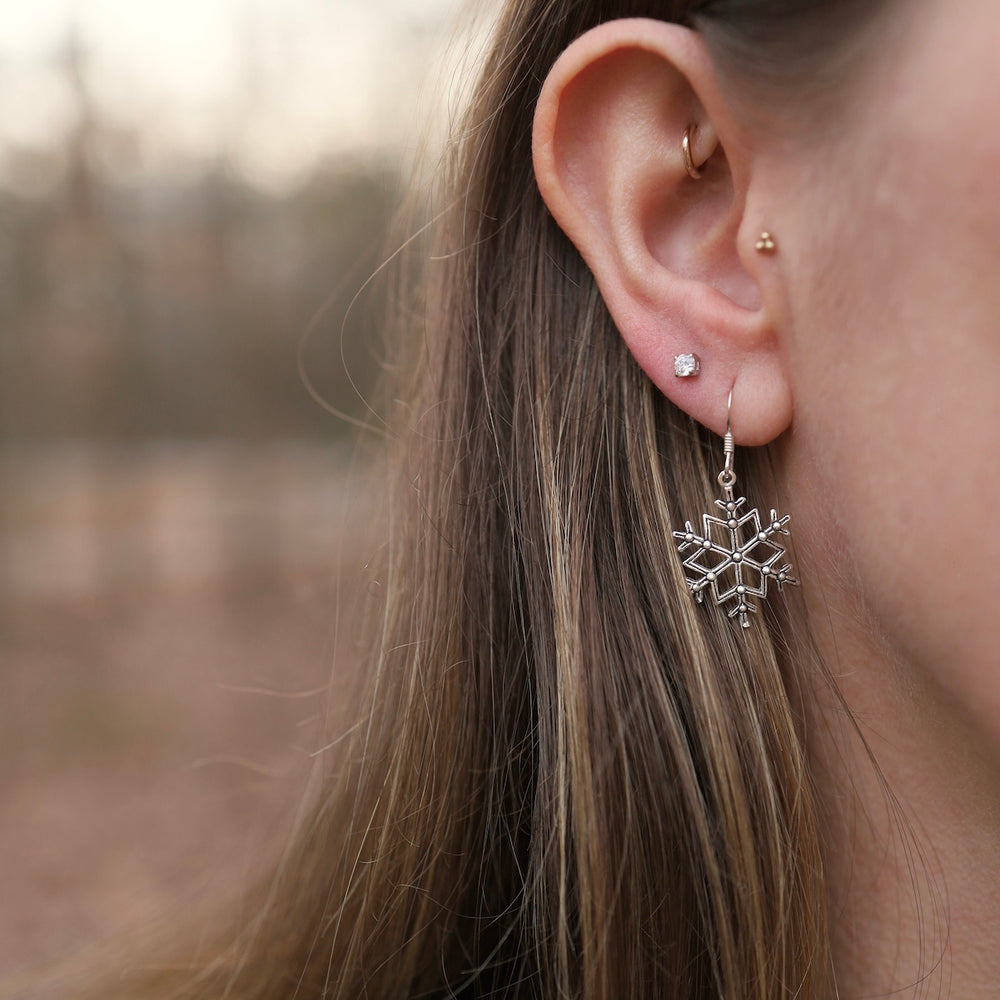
(765, 244)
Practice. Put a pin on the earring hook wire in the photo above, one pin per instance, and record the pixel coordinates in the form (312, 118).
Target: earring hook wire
(727, 478)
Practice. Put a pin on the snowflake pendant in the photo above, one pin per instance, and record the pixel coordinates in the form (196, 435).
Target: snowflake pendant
(735, 557)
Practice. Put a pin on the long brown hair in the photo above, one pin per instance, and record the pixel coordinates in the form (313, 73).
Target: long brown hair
(569, 780)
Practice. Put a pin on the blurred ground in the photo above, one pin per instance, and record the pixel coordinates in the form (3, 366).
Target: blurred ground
(169, 618)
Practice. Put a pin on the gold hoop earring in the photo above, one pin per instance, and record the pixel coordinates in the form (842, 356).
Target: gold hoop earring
(689, 166)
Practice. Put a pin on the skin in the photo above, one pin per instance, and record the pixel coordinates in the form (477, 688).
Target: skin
(867, 346)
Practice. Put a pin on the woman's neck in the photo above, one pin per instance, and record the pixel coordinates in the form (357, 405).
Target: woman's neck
(912, 799)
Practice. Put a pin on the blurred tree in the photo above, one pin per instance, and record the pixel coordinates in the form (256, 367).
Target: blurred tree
(152, 309)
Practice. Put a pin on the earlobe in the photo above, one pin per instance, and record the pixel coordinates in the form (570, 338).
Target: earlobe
(663, 244)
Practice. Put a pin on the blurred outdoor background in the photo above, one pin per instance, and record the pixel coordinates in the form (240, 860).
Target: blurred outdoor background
(192, 193)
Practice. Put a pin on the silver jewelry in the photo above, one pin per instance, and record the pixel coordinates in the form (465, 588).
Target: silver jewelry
(686, 365)
(735, 556)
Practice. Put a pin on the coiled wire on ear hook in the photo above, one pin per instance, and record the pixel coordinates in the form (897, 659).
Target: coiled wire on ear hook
(727, 478)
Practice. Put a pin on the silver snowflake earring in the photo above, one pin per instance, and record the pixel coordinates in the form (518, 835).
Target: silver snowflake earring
(735, 556)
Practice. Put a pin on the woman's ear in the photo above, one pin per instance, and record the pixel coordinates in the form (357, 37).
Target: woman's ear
(673, 254)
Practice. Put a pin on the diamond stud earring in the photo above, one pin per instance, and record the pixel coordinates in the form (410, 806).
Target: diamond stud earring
(686, 365)
(735, 556)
